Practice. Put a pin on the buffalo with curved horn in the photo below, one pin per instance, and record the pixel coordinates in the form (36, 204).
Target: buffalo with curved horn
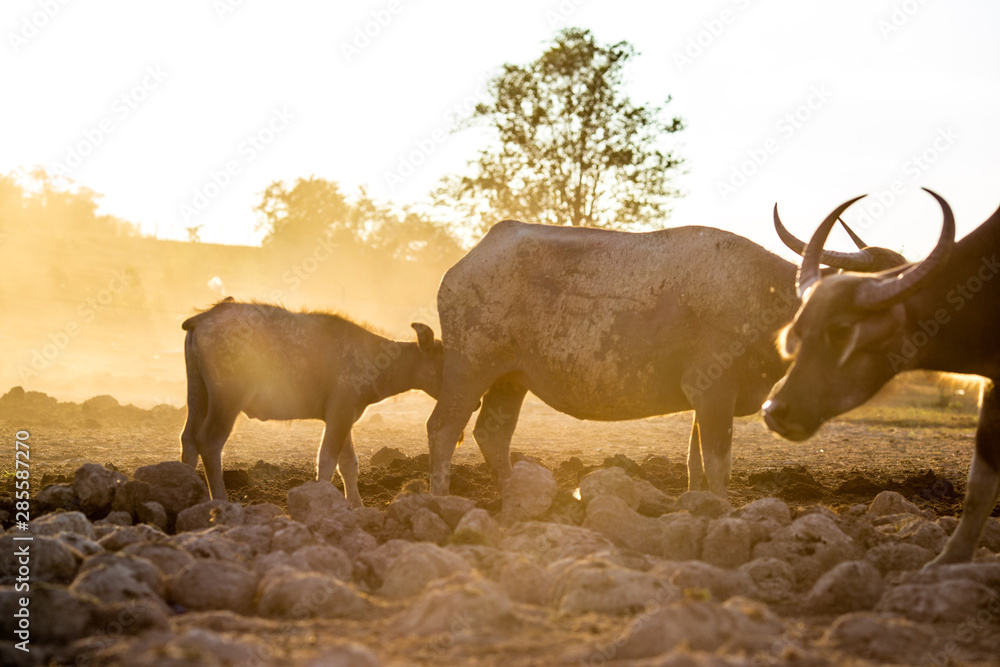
(867, 259)
(854, 332)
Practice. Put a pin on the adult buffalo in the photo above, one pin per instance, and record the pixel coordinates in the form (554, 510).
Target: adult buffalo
(854, 333)
(609, 326)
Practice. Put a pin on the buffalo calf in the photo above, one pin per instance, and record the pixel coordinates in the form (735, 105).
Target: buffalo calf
(274, 364)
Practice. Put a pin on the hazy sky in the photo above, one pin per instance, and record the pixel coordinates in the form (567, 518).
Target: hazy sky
(181, 113)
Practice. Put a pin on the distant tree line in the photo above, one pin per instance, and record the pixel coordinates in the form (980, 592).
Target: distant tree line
(568, 147)
(32, 200)
(314, 209)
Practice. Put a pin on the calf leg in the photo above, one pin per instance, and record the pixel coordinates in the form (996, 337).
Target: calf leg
(984, 484)
(197, 406)
(495, 426)
(347, 466)
(696, 470)
(714, 414)
(211, 438)
(189, 437)
(337, 452)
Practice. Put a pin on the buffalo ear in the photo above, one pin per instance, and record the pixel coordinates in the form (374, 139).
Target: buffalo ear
(425, 337)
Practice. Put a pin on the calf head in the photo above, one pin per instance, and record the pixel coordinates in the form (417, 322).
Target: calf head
(429, 368)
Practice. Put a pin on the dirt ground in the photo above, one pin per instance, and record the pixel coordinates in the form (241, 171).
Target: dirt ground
(916, 438)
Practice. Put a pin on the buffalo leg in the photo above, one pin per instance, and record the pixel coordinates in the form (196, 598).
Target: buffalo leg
(459, 398)
(197, 410)
(444, 431)
(715, 429)
(347, 466)
(211, 438)
(337, 452)
(984, 484)
(197, 406)
(696, 470)
(495, 426)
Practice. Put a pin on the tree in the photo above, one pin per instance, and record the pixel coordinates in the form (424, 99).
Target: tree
(34, 200)
(312, 210)
(571, 147)
(411, 237)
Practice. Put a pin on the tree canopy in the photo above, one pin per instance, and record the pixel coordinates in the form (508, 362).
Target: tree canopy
(570, 146)
(314, 210)
(310, 210)
(33, 200)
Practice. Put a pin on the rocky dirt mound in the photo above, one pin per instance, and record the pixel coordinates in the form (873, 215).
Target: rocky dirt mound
(42, 410)
(576, 565)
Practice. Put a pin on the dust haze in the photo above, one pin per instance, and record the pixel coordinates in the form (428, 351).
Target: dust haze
(92, 307)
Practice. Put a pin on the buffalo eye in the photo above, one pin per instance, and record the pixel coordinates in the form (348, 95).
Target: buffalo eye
(837, 335)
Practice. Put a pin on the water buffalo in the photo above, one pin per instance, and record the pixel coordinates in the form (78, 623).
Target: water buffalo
(274, 364)
(609, 325)
(854, 332)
